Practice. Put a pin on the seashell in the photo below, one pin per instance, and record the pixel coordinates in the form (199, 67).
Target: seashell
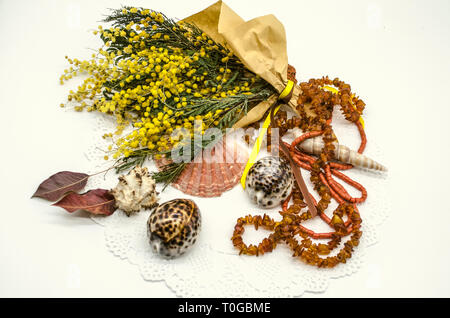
(173, 227)
(342, 153)
(218, 171)
(135, 191)
(269, 181)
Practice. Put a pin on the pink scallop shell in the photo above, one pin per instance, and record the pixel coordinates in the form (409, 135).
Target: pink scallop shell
(218, 171)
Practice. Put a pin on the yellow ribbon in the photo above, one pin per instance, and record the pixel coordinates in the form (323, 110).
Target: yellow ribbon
(287, 90)
(257, 146)
(335, 91)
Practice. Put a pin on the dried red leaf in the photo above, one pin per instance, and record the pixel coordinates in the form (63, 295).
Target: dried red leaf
(61, 183)
(98, 201)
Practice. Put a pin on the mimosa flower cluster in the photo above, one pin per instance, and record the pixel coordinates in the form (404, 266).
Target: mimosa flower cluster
(158, 77)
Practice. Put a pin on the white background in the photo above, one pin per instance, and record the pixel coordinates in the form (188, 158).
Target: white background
(395, 54)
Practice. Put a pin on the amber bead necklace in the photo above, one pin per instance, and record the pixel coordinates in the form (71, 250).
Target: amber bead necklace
(322, 170)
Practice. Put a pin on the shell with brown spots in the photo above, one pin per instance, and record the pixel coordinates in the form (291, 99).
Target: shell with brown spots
(173, 227)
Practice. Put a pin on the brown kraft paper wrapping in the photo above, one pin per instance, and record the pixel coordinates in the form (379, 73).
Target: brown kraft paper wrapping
(260, 44)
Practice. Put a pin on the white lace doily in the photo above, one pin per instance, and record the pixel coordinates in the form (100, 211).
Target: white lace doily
(212, 268)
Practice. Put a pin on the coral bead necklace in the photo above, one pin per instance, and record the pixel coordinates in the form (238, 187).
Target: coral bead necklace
(322, 170)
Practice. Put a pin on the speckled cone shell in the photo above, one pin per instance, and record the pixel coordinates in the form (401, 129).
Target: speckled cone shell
(342, 153)
(173, 227)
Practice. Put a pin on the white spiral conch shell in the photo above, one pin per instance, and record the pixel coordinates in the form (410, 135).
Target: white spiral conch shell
(342, 153)
(135, 191)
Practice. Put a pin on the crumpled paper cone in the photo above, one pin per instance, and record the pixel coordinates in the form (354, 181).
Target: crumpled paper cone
(260, 44)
